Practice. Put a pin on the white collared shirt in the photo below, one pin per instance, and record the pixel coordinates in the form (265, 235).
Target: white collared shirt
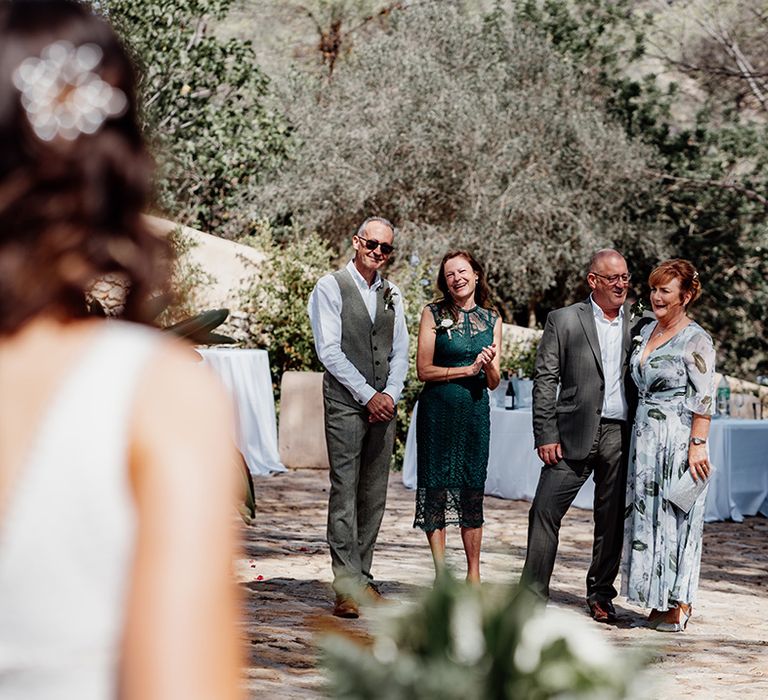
(610, 335)
(324, 309)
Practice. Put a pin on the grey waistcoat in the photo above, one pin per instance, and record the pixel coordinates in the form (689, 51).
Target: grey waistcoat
(367, 345)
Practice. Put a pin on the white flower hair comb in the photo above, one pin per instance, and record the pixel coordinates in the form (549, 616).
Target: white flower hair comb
(62, 95)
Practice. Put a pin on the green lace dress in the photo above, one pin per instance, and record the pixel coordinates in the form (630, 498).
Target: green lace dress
(453, 427)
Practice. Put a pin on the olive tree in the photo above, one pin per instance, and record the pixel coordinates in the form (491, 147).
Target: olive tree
(708, 133)
(468, 130)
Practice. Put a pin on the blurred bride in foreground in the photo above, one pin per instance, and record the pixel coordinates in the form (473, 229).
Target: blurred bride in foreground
(116, 487)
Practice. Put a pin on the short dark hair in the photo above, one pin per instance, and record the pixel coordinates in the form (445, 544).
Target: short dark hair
(71, 210)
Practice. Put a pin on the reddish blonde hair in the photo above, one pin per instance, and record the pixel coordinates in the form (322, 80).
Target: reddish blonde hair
(681, 270)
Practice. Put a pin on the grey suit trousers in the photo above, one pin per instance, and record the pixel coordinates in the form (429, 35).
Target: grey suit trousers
(359, 454)
(558, 486)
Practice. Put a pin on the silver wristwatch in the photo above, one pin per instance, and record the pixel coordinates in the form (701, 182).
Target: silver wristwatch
(698, 441)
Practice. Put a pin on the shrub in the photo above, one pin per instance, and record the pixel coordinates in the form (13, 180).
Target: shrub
(414, 279)
(188, 281)
(276, 301)
(205, 106)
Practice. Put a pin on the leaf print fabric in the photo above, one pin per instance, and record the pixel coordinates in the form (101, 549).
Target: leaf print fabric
(662, 545)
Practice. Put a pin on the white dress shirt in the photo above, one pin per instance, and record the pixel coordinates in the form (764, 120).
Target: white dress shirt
(610, 335)
(324, 309)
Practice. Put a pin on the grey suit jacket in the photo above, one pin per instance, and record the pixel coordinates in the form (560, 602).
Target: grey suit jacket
(568, 357)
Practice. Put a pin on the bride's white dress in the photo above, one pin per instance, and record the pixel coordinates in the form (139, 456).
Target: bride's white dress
(67, 534)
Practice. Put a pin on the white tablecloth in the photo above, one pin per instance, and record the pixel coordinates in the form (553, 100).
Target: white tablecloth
(738, 449)
(513, 465)
(246, 374)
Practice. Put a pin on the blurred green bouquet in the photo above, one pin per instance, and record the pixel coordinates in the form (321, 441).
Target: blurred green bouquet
(478, 643)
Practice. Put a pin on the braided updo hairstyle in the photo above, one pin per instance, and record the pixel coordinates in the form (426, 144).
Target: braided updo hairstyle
(679, 269)
(70, 207)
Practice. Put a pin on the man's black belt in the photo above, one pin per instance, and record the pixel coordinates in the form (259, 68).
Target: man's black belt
(613, 421)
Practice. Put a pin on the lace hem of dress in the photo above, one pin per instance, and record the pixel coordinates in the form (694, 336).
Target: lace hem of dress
(438, 507)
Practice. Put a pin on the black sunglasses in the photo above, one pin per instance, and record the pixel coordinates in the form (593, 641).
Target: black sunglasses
(386, 249)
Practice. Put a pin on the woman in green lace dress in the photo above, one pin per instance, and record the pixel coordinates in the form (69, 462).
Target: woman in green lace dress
(673, 364)
(458, 359)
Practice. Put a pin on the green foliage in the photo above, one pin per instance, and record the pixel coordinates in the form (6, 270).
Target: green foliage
(519, 355)
(608, 31)
(711, 172)
(726, 235)
(470, 131)
(205, 106)
(414, 281)
(187, 282)
(465, 642)
(276, 300)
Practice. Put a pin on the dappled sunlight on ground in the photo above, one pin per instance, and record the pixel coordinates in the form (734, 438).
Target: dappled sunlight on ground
(285, 582)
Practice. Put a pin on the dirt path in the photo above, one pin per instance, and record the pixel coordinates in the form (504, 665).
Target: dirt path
(285, 574)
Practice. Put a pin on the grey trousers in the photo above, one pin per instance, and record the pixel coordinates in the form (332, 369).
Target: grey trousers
(558, 486)
(360, 453)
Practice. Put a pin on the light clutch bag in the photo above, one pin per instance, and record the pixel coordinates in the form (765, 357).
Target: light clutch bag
(684, 490)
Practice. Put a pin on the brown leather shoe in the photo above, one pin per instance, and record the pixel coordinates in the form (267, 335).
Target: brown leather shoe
(602, 611)
(373, 594)
(346, 607)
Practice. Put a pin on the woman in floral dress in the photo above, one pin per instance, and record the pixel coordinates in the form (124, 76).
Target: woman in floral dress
(458, 359)
(673, 364)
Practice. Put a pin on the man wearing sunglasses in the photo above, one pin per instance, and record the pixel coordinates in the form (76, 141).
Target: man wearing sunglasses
(361, 338)
(583, 399)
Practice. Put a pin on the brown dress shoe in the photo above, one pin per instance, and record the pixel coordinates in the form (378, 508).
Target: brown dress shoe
(373, 594)
(346, 607)
(602, 611)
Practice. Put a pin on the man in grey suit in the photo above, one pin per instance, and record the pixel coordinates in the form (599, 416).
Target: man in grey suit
(362, 340)
(583, 428)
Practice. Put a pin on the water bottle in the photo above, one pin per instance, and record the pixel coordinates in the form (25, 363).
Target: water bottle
(509, 396)
(723, 397)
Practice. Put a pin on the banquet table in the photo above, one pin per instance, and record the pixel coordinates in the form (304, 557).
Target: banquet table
(738, 449)
(513, 465)
(245, 374)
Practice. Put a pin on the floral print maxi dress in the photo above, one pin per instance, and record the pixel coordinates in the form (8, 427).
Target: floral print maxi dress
(662, 545)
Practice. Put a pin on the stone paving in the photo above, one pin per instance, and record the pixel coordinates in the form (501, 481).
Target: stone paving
(284, 575)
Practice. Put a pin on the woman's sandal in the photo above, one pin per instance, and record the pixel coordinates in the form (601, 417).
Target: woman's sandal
(675, 619)
(655, 617)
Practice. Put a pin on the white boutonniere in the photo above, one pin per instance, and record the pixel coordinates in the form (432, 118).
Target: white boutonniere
(636, 311)
(389, 299)
(445, 325)
(637, 341)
